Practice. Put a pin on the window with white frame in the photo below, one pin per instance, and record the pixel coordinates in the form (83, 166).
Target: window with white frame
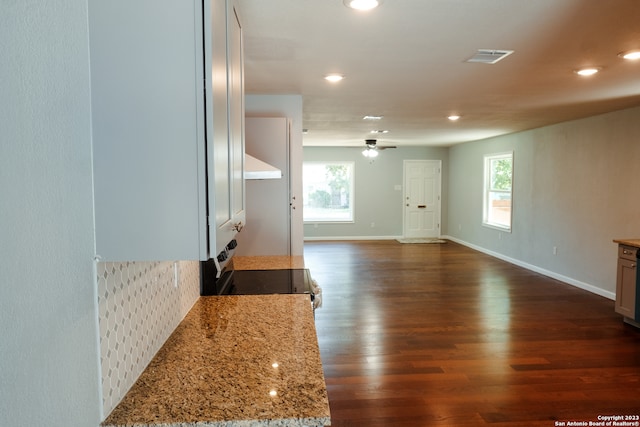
(498, 180)
(327, 191)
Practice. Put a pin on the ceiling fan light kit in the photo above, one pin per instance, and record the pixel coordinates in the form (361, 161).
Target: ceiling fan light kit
(370, 153)
(372, 148)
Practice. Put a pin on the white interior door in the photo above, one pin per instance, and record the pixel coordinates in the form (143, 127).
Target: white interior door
(422, 198)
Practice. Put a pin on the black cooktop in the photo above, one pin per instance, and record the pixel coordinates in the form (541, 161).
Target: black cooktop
(259, 282)
(256, 282)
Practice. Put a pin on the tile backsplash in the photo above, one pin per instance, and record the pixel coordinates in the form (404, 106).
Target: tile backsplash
(140, 304)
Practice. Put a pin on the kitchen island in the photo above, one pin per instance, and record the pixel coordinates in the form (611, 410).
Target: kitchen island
(234, 361)
(628, 242)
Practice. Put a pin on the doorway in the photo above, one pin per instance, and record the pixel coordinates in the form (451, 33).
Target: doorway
(421, 203)
(268, 222)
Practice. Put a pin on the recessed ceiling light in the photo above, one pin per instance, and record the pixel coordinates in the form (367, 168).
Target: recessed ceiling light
(333, 78)
(632, 54)
(372, 118)
(380, 131)
(589, 71)
(362, 4)
(453, 117)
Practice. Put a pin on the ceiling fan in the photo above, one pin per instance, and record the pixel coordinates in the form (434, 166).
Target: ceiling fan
(373, 147)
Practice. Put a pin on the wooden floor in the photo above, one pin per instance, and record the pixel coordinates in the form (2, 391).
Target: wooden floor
(441, 335)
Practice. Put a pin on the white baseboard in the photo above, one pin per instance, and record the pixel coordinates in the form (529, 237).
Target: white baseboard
(568, 280)
(309, 239)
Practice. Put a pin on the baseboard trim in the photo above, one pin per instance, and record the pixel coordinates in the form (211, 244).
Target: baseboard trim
(568, 280)
(328, 238)
(565, 279)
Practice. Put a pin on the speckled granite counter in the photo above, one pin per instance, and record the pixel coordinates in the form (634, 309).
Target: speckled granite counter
(234, 361)
(275, 262)
(629, 242)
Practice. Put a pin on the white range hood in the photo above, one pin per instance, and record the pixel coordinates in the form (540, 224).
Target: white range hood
(257, 169)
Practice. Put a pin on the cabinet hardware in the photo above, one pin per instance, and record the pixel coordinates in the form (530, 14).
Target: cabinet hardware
(422, 206)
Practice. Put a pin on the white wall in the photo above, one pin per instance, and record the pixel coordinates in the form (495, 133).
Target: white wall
(574, 188)
(289, 106)
(376, 199)
(48, 318)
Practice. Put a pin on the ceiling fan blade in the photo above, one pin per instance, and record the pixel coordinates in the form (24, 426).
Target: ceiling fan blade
(384, 147)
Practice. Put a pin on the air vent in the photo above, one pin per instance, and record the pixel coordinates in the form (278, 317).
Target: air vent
(489, 56)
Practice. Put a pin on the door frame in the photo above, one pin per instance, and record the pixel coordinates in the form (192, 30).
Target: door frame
(405, 192)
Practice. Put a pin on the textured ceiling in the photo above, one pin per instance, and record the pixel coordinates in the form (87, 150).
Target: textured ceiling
(406, 62)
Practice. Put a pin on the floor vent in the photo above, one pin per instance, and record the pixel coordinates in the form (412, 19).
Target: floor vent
(489, 56)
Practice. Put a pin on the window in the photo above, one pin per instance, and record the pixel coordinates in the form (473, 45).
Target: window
(327, 191)
(498, 179)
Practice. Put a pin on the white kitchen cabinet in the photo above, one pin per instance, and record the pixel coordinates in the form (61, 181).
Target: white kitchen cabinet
(165, 131)
(626, 281)
(228, 158)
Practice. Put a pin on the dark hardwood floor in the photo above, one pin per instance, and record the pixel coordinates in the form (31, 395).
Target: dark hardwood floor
(441, 335)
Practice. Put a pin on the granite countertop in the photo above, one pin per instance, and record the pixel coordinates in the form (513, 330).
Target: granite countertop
(234, 361)
(629, 242)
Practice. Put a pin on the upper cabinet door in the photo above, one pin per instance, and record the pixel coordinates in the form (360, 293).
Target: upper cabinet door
(236, 115)
(219, 174)
(168, 131)
(148, 146)
(229, 174)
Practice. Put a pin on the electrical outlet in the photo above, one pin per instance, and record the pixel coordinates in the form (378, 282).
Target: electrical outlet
(373, 225)
(176, 274)
(555, 250)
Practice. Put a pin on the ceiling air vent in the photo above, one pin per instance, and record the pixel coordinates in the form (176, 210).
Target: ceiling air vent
(489, 56)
